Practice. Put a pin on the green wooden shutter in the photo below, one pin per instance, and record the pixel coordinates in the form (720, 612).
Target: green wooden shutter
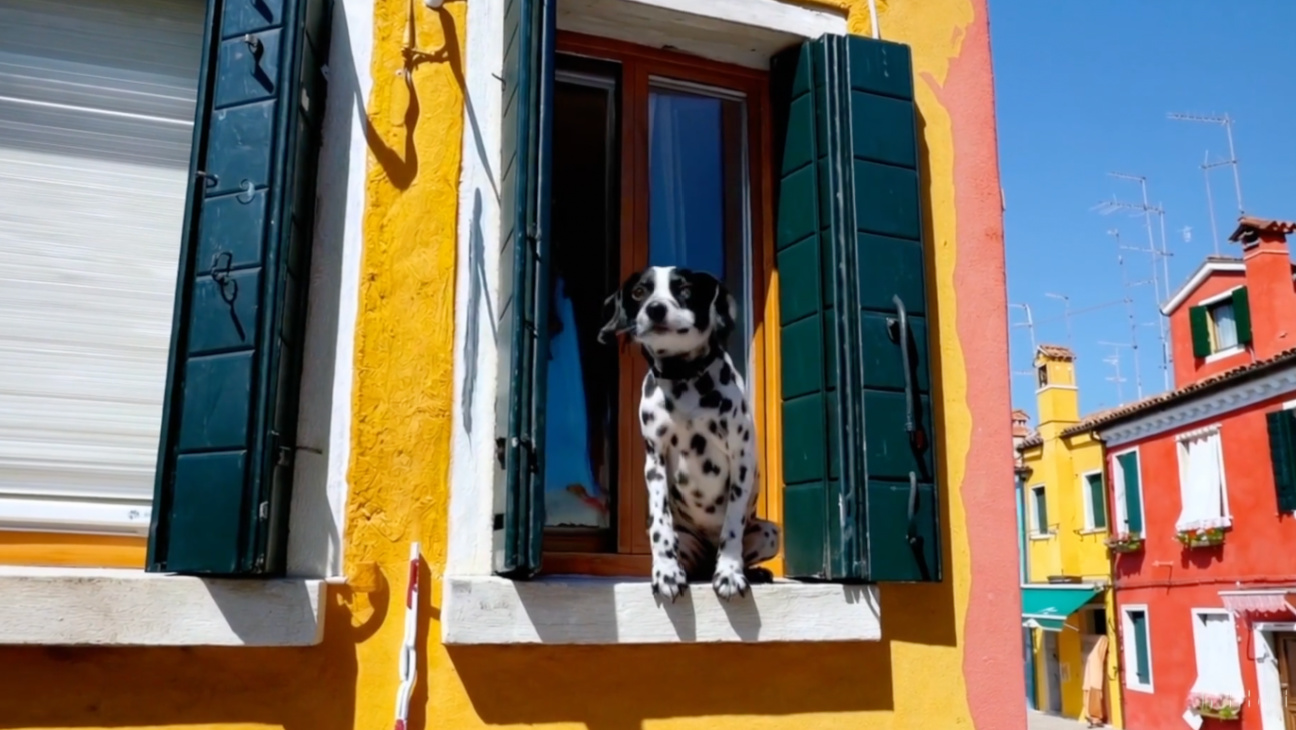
(860, 498)
(1097, 500)
(529, 31)
(1129, 466)
(1242, 315)
(1282, 452)
(1142, 660)
(229, 422)
(1201, 339)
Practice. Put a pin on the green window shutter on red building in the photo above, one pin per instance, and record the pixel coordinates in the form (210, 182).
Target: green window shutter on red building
(1282, 453)
(229, 422)
(1128, 463)
(1242, 314)
(528, 82)
(1198, 321)
(860, 499)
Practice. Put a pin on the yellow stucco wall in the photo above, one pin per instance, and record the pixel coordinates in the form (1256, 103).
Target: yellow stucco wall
(917, 676)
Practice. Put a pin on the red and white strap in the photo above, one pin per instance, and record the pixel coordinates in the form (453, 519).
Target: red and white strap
(408, 653)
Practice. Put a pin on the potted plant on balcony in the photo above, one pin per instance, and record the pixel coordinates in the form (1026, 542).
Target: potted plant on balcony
(1193, 537)
(1220, 707)
(1124, 542)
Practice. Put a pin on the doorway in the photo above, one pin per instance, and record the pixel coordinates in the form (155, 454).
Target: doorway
(1285, 648)
(1052, 674)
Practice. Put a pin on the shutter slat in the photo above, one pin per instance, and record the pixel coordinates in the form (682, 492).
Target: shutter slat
(230, 418)
(1282, 453)
(1198, 323)
(529, 33)
(1242, 314)
(849, 243)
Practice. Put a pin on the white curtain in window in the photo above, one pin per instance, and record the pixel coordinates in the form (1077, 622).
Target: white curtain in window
(1201, 482)
(1225, 327)
(1219, 668)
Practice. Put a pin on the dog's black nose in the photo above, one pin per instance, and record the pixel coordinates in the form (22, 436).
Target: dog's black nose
(656, 312)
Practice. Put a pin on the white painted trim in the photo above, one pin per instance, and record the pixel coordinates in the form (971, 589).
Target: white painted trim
(81, 515)
(578, 610)
(1196, 409)
(1058, 386)
(1119, 516)
(1267, 677)
(742, 32)
(1086, 502)
(739, 31)
(1289, 405)
(1226, 353)
(61, 606)
(1199, 276)
(1222, 296)
(1129, 655)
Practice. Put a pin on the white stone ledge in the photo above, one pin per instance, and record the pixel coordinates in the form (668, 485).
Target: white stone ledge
(75, 606)
(576, 610)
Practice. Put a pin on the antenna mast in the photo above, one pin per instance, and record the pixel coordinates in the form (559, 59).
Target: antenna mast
(1114, 360)
(1029, 324)
(1227, 122)
(1147, 209)
(1126, 286)
(1066, 315)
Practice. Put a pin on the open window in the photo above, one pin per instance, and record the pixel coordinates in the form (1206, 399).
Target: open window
(617, 156)
(1221, 324)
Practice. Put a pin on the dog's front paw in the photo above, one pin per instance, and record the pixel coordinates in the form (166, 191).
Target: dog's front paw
(669, 580)
(729, 582)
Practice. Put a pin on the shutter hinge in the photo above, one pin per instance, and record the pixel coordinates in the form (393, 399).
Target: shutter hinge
(523, 443)
(263, 511)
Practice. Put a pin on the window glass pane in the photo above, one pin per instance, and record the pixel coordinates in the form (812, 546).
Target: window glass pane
(581, 410)
(1225, 326)
(697, 194)
(1041, 511)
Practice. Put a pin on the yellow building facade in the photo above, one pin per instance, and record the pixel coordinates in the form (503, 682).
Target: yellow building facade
(395, 450)
(1067, 598)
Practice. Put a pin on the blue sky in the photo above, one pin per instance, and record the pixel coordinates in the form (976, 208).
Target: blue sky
(1083, 89)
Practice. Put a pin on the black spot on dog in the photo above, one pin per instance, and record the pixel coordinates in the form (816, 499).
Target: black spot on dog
(742, 474)
(675, 495)
(661, 430)
(713, 427)
(732, 534)
(719, 500)
(682, 330)
(710, 468)
(743, 405)
(647, 417)
(656, 536)
(674, 440)
(726, 405)
(753, 527)
(654, 475)
(698, 444)
(711, 400)
(697, 494)
(726, 375)
(746, 436)
(679, 388)
(710, 509)
(681, 479)
(668, 404)
(705, 383)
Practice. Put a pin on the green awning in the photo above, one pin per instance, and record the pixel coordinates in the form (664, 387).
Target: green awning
(1048, 607)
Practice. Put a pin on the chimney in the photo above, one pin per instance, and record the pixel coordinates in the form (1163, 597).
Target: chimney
(1270, 290)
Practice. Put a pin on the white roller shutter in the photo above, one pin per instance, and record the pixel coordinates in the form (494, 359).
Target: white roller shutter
(96, 112)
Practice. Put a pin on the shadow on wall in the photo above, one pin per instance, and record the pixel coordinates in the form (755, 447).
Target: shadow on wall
(540, 684)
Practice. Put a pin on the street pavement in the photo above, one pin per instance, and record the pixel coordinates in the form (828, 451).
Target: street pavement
(1041, 721)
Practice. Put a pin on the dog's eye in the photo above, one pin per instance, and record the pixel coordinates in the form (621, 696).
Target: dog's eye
(639, 293)
(684, 293)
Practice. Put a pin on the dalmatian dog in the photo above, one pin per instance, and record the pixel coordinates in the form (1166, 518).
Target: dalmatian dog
(699, 439)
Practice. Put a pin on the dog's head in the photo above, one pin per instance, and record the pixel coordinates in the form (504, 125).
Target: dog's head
(670, 310)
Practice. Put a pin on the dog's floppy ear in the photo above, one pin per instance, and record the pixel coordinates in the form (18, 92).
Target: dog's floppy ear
(617, 321)
(724, 310)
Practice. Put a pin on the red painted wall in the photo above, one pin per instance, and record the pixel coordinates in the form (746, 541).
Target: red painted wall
(1189, 369)
(1172, 581)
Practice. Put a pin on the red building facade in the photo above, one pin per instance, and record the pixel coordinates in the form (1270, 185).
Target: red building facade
(1202, 483)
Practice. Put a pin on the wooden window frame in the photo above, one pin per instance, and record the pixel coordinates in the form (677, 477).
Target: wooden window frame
(574, 554)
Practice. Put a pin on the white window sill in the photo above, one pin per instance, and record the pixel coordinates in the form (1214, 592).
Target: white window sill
(580, 610)
(109, 607)
(1145, 688)
(1041, 535)
(1225, 354)
(1094, 531)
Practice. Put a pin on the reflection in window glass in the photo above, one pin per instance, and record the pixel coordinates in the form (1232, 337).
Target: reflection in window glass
(581, 403)
(697, 193)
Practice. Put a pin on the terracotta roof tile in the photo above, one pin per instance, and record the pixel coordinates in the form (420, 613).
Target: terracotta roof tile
(1056, 352)
(1083, 426)
(1169, 397)
(1249, 227)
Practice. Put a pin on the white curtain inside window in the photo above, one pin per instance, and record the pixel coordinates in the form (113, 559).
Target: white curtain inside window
(1201, 482)
(1225, 327)
(1219, 669)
